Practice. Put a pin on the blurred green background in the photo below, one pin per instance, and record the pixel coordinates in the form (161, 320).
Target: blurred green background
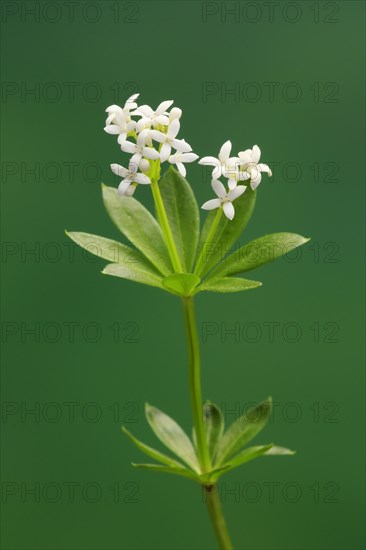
(101, 347)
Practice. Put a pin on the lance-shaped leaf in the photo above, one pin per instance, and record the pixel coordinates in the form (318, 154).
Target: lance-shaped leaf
(228, 284)
(183, 215)
(242, 431)
(258, 252)
(214, 424)
(248, 454)
(135, 273)
(172, 435)
(184, 472)
(111, 250)
(228, 231)
(152, 453)
(139, 226)
(181, 284)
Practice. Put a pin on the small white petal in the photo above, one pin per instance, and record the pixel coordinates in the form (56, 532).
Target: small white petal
(225, 151)
(143, 137)
(122, 137)
(229, 210)
(182, 169)
(173, 129)
(112, 129)
(133, 97)
(163, 107)
(141, 178)
(188, 157)
(119, 170)
(255, 175)
(145, 110)
(150, 153)
(255, 178)
(219, 188)
(130, 190)
(264, 168)
(232, 183)
(181, 145)
(256, 154)
(161, 120)
(158, 136)
(109, 119)
(144, 121)
(123, 186)
(173, 159)
(165, 152)
(236, 193)
(209, 161)
(130, 103)
(245, 156)
(135, 162)
(113, 108)
(211, 204)
(128, 147)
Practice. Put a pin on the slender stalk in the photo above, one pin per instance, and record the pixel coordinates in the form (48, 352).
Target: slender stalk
(195, 383)
(163, 218)
(209, 238)
(217, 517)
(213, 501)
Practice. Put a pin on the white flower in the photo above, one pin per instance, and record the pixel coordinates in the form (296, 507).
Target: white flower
(179, 158)
(152, 118)
(249, 160)
(224, 199)
(130, 178)
(226, 166)
(140, 150)
(119, 120)
(169, 140)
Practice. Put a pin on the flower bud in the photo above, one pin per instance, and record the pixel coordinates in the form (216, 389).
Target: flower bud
(175, 113)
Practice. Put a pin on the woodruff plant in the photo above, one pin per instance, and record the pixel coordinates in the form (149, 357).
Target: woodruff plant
(172, 253)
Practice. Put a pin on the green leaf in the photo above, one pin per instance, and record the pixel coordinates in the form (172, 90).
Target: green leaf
(183, 214)
(247, 455)
(228, 284)
(273, 451)
(184, 472)
(228, 232)
(242, 431)
(112, 251)
(172, 435)
(152, 453)
(134, 273)
(214, 424)
(181, 283)
(139, 226)
(258, 252)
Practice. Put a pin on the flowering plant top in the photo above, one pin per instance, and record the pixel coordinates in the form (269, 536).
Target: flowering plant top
(170, 251)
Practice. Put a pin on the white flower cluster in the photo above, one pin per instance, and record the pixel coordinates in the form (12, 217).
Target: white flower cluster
(235, 169)
(145, 125)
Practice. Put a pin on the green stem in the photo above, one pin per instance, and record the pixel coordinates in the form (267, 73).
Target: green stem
(163, 219)
(209, 238)
(217, 517)
(195, 383)
(212, 497)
